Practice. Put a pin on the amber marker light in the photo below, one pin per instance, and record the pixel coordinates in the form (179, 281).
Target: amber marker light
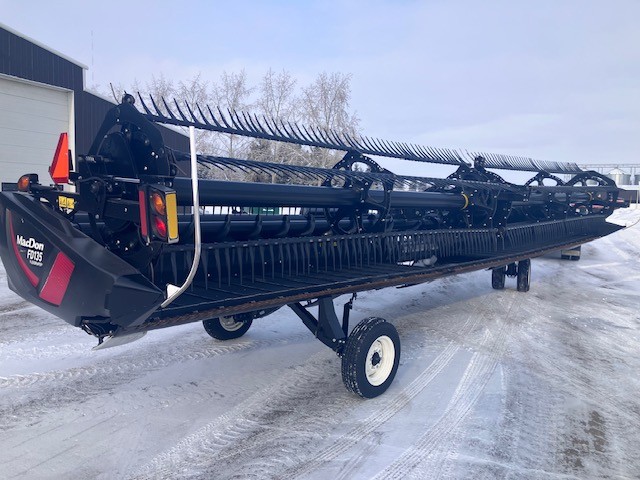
(157, 202)
(23, 183)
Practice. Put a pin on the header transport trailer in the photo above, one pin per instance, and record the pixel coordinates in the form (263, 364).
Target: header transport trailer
(120, 245)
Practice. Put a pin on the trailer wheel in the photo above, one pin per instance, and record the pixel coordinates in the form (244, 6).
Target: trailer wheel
(370, 358)
(498, 276)
(226, 328)
(524, 275)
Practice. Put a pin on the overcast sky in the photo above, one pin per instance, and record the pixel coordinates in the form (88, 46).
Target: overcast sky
(550, 79)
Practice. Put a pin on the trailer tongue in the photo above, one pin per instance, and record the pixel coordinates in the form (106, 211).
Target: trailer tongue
(130, 251)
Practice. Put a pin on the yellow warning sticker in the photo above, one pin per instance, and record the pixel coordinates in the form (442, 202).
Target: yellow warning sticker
(66, 202)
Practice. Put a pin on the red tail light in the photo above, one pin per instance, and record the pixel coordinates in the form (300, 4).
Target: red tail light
(160, 227)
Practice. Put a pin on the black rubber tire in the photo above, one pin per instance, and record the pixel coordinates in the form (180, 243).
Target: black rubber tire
(354, 358)
(217, 329)
(524, 275)
(498, 276)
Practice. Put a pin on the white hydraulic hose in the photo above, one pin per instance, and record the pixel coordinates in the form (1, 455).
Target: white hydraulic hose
(173, 291)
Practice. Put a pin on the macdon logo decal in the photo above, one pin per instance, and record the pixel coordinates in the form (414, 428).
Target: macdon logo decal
(35, 249)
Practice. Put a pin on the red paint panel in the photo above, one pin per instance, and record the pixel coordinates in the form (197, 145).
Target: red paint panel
(55, 286)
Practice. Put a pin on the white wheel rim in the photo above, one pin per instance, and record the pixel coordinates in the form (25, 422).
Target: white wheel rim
(380, 359)
(229, 324)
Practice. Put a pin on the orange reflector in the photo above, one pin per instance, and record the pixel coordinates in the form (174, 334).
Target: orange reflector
(23, 183)
(59, 169)
(157, 202)
(172, 216)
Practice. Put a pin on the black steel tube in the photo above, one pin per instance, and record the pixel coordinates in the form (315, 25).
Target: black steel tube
(247, 194)
(542, 199)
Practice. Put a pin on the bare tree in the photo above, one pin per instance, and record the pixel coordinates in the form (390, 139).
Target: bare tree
(161, 88)
(277, 102)
(192, 93)
(325, 105)
(233, 94)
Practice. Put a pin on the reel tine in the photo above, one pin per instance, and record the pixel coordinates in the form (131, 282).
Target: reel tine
(444, 155)
(316, 135)
(378, 148)
(213, 118)
(255, 121)
(352, 142)
(439, 155)
(169, 112)
(365, 141)
(423, 152)
(450, 155)
(195, 119)
(275, 124)
(290, 130)
(460, 156)
(398, 147)
(323, 135)
(298, 133)
(332, 136)
(204, 118)
(311, 140)
(180, 111)
(235, 120)
(144, 105)
(224, 119)
(416, 151)
(408, 150)
(272, 130)
(404, 149)
(288, 134)
(155, 106)
(249, 124)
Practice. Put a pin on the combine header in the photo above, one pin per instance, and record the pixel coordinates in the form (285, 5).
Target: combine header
(131, 247)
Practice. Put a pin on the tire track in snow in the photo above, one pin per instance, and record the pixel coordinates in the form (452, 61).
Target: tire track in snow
(286, 452)
(282, 446)
(390, 407)
(380, 416)
(20, 323)
(84, 391)
(13, 306)
(251, 426)
(150, 361)
(472, 383)
(241, 428)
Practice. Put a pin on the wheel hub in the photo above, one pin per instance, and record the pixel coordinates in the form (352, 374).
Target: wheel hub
(380, 359)
(230, 324)
(376, 359)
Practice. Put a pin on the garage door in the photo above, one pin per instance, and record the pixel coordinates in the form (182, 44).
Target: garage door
(32, 116)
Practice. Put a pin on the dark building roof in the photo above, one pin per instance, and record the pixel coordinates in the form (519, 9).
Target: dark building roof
(25, 58)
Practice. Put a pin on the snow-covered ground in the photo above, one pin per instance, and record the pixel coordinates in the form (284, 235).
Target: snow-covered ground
(492, 384)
